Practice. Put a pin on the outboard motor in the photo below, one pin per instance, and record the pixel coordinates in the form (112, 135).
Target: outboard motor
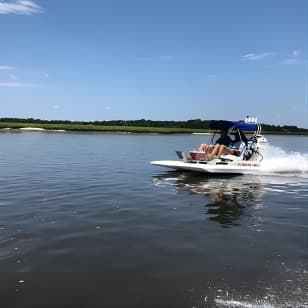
(251, 148)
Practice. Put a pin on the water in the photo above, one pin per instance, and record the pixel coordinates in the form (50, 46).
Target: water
(86, 221)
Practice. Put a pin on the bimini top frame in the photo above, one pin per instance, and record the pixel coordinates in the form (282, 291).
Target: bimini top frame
(225, 125)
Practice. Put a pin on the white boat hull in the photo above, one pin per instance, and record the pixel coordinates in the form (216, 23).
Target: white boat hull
(238, 167)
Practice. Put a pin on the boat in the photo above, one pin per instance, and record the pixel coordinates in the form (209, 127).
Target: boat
(247, 161)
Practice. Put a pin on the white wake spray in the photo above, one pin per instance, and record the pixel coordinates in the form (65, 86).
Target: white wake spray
(279, 161)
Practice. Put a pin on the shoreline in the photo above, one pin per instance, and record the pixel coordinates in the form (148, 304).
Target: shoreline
(33, 127)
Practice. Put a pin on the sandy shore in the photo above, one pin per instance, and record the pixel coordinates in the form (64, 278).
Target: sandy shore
(32, 129)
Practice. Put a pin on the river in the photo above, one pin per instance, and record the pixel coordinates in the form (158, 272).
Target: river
(86, 221)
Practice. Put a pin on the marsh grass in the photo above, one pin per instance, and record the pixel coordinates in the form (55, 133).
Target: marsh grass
(128, 129)
(101, 128)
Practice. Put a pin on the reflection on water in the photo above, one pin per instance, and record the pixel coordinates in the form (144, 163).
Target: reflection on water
(273, 208)
(228, 197)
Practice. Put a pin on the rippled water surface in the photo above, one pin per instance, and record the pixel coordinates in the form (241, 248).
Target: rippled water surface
(86, 221)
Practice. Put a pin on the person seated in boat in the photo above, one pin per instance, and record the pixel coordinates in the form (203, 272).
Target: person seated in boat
(235, 148)
(224, 139)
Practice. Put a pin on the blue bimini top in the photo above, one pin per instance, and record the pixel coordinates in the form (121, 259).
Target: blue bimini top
(224, 125)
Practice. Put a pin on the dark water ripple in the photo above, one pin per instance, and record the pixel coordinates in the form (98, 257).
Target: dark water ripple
(87, 222)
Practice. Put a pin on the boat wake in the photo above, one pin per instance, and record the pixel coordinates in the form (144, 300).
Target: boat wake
(279, 161)
(291, 292)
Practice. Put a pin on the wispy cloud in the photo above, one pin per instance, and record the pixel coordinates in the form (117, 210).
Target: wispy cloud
(154, 58)
(12, 77)
(21, 7)
(290, 61)
(212, 76)
(165, 57)
(11, 84)
(256, 56)
(296, 52)
(6, 67)
(293, 58)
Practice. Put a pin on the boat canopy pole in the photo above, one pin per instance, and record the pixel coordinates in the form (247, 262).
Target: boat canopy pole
(258, 132)
(238, 131)
(213, 136)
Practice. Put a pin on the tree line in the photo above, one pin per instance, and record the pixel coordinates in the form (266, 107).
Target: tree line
(193, 124)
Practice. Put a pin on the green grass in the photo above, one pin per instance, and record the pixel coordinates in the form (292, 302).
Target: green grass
(101, 128)
(129, 129)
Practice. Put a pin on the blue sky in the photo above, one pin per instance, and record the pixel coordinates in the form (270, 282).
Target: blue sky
(154, 59)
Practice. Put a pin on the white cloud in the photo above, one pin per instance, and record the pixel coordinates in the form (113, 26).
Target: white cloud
(56, 107)
(256, 56)
(6, 67)
(12, 84)
(21, 7)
